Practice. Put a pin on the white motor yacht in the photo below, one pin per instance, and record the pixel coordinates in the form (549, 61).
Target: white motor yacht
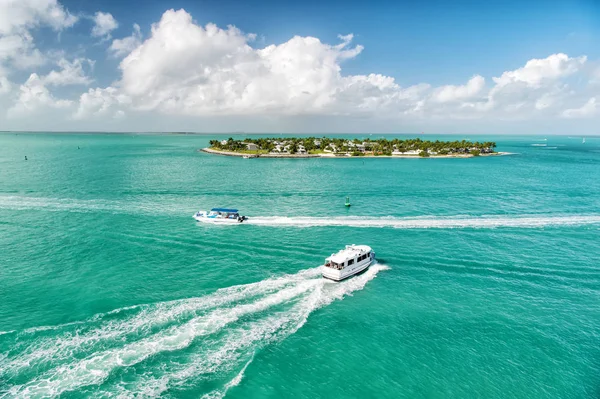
(349, 261)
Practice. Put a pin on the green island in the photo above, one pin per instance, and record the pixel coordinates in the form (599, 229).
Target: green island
(310, 147)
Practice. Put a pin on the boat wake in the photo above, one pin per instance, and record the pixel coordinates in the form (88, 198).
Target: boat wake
(200, 344)
(429, 222)
(140, 207)
(24, 203)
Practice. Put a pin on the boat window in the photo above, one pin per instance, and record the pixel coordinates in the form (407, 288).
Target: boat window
(350, 262)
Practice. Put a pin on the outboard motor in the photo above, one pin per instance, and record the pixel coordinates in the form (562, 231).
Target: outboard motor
(242, 218)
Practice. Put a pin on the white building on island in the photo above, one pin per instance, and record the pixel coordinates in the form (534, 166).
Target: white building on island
(409, 152)
(331, 148)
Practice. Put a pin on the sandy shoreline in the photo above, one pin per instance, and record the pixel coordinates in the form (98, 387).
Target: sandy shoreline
(239, 154)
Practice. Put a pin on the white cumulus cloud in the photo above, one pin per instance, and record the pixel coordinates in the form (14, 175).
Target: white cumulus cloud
(100, 102)
(34, 95)
(104, 23)
(590, 108)
(5, 85)
(18, 16)
(537, 71)
(184, 68)
(71, 73)
(454, 93)
(539, 86)
(17, 19)
(19, 51)
(122, 47)
(185, 71)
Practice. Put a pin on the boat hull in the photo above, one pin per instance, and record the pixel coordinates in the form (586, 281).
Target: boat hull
(339, 275)
(202, 219)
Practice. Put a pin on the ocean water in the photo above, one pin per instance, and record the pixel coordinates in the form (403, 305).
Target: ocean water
(488, 281)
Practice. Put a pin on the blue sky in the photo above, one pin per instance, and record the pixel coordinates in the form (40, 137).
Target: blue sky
(423, 53)
(439, 42)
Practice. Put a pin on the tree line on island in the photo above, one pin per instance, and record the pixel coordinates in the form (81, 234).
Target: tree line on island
(353, 147)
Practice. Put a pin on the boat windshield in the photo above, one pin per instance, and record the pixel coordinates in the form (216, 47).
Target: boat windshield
(223, 213)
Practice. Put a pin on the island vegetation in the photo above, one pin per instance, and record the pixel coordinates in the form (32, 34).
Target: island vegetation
(324, 146)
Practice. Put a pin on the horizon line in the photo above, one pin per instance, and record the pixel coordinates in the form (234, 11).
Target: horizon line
(282, 133)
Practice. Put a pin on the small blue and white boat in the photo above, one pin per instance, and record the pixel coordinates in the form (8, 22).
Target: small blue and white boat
(220, 216)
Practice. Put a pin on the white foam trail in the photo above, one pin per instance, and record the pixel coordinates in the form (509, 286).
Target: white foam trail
(134, 206)
(219, 394)
(427, 223)
(55, 349)
(139, 207)
(249, 337)
(95, 369)
(226, 307)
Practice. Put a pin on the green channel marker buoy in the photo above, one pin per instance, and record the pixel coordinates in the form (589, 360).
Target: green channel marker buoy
(347, 201)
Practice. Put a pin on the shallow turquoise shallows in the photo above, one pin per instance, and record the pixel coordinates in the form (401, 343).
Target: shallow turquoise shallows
(487, 286)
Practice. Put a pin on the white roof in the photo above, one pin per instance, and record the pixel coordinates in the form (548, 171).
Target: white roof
(350, 252)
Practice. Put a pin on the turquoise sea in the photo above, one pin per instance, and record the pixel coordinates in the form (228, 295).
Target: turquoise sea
(487, 286)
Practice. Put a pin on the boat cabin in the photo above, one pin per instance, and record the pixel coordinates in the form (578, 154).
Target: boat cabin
(351, 255)
(224, 213)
